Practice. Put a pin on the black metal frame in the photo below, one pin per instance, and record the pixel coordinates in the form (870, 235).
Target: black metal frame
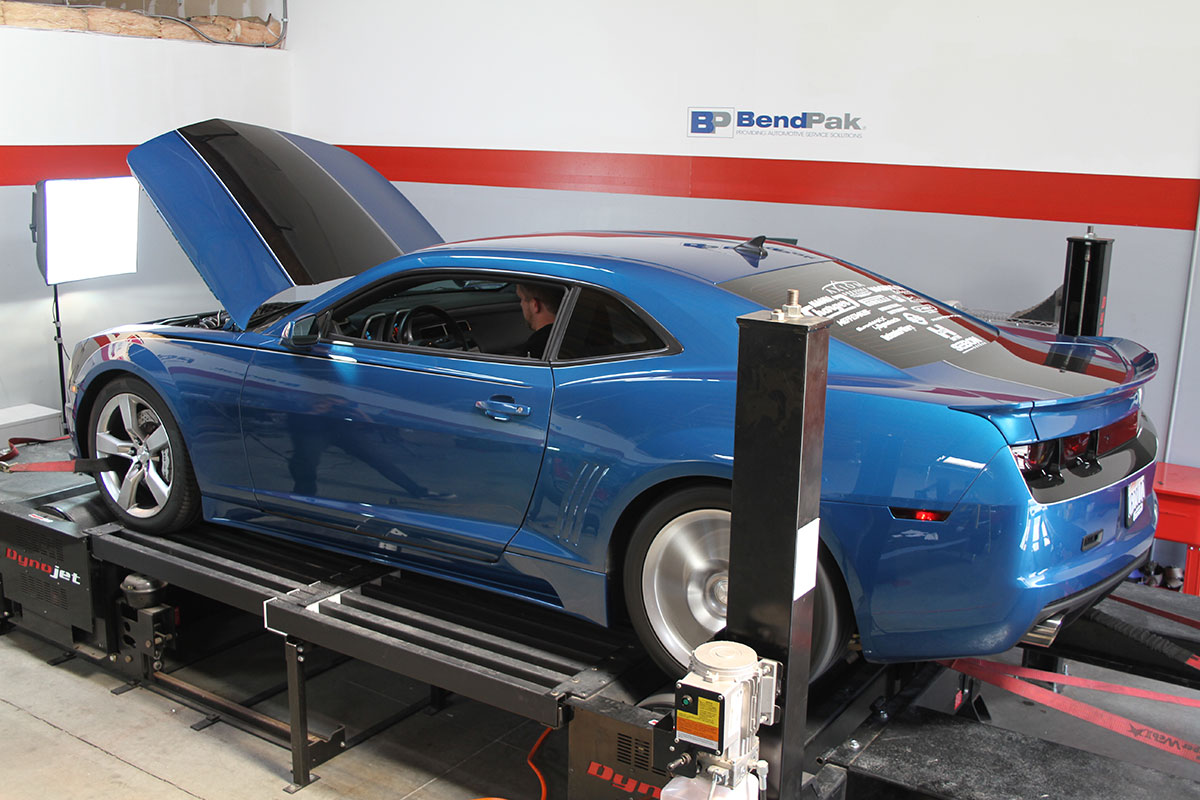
(1085, 285)
(556, 670)
(778, 439)
(503, 652)
(914, 752)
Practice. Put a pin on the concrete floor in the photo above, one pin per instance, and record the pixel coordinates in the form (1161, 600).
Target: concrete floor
(1032, 719)
(65, 734)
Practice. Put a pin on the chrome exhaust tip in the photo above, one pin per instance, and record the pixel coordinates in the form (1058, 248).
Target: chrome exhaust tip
(1043, 633)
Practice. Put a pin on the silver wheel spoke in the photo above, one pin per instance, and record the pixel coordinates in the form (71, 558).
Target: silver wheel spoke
(127, 497)
(129, 415)
(158, 487)
(142, 487)
(109, 445)
(157, 440)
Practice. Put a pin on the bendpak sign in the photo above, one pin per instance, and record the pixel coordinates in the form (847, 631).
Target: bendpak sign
(725, 122)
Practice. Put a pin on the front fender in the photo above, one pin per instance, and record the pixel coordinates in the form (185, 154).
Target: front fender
(103, 357)
(200, 381)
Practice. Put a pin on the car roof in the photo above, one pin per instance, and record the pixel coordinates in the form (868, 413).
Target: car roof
(705, 257)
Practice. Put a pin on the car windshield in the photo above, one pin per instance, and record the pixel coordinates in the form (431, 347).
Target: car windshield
(883, 319)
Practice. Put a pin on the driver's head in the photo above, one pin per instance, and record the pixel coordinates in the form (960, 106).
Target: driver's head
(539, 304)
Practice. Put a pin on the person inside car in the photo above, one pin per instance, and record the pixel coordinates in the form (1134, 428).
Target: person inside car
(539, 306)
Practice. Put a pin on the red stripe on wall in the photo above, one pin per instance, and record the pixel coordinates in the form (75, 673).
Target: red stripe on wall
(1067, 197)
(25, 165)
(1100, 199)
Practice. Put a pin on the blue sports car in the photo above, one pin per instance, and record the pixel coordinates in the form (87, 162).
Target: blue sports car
(551, 416)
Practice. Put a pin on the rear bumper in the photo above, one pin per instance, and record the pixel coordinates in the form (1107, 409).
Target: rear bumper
(1060, 613)
(974, 584)
(1072, 606)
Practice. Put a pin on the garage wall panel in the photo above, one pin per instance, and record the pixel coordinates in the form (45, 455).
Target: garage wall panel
(981, 136)
(74, 104)
(972, 140)
(1092, 87)
(67, 88)
(982, 262)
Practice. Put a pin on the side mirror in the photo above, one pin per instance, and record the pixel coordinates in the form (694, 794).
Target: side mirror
(302, 333)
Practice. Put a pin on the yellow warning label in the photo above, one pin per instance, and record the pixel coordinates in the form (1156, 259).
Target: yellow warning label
(702, 726)
(707, 733)
(708, 712)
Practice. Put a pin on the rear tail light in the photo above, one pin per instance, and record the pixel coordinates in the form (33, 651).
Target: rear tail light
(1076, 446)
(1110, 437)
(1047, 458)
(1033, 459)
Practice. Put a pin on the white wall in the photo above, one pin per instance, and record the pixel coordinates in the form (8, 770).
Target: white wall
(1077, 87)
(87, 89)
(1099, 86)
(1071, 87)
(84, 88)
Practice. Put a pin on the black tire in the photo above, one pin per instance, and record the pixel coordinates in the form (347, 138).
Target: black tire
(149, 485)
(677, 558)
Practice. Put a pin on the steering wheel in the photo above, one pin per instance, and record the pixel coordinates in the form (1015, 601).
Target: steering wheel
(402, 331)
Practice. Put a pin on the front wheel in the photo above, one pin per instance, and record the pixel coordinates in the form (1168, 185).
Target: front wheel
(147, 481)
(676, 581)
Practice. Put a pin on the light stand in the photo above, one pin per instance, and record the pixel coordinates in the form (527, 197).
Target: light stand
(83, 229)
(62, 369)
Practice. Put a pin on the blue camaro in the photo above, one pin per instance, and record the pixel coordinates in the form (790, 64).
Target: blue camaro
(978, 481)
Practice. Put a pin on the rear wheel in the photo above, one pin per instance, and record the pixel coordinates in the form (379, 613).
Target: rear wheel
(676, 581)
(147, 481)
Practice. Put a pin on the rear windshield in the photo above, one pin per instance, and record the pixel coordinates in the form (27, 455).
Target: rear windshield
(884, 320)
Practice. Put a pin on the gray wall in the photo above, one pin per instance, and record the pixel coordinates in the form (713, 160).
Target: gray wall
(988, 263)
(982, 262)
(164, 284)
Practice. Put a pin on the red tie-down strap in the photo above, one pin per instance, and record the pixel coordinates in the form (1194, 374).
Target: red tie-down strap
(1182, 620)
(74, 465)
(1008, 677)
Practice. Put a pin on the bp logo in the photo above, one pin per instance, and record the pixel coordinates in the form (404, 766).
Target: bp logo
(726, 122)
(711, 122)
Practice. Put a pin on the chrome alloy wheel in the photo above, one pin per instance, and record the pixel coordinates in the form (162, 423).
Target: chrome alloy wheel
(131, 436)
(685, 580)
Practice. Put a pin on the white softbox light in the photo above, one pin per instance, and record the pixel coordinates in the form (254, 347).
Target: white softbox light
(85, 228)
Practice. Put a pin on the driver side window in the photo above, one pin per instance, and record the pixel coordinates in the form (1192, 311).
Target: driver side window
(479, 313)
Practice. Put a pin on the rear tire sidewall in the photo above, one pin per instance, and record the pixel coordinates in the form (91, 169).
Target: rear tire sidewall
(831, 626)
(183, 504)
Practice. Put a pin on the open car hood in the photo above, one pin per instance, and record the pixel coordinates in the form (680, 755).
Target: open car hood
(258, 210)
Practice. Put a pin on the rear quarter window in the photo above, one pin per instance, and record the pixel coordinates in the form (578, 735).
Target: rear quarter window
(601, 325)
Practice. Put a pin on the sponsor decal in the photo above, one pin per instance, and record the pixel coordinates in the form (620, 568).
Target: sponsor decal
(54, 571)
(725, 123)
(1165, 741)
(888, 309)
(622, 783)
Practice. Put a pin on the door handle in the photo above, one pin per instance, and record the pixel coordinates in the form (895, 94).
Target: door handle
(502, 408)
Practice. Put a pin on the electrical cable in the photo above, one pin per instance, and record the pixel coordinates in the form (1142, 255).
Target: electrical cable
(283, 24)
(532, 766)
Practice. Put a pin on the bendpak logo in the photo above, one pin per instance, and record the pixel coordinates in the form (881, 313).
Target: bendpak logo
(53, 570)
(723, 122)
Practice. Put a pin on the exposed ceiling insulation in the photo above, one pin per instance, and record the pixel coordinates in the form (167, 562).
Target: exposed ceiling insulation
(97, 18)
